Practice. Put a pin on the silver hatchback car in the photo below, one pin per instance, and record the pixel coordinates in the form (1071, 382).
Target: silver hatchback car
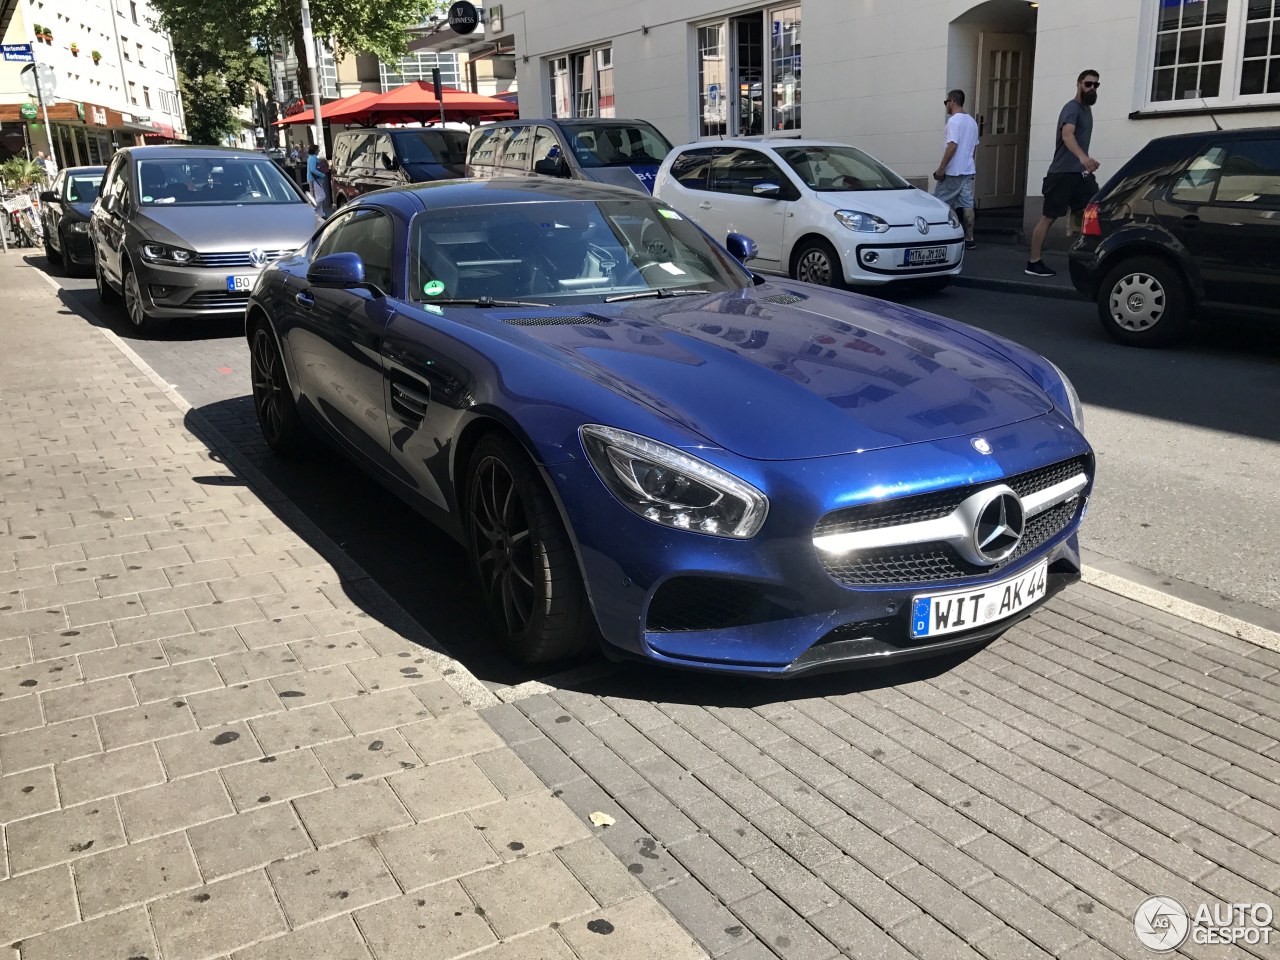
(184, 231)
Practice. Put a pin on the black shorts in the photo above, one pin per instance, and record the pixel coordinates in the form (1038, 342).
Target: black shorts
(1067, 191)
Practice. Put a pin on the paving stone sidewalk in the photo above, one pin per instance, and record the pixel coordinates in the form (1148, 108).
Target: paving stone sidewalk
(216, 741)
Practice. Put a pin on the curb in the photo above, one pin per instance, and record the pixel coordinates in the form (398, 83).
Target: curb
(1024, 287)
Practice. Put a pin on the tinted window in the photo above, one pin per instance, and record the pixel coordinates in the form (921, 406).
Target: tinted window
(835, 169)
(206, 181)
(1197, 182)
(342, 153)
(737, 171)
(545, 144)
(486, 145)
(83, 188)
(361, 157)
(616, 145)
(432, 146)
(691, 167)
(386, 157)
(370, 235)
(1251, 174)
(111, 184)
(515, 159)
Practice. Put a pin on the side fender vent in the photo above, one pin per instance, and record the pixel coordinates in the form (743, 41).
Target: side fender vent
(553, 321)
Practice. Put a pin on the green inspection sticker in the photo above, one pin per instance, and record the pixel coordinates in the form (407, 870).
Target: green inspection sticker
(669, 214)
(433, 288)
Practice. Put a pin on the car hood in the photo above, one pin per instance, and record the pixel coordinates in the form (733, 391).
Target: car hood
(230, 228)
(898, 207)
(829, 374)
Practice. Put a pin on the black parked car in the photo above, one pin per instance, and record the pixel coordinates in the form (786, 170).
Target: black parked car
(1191, 224)
(372, 159)
(65, 209)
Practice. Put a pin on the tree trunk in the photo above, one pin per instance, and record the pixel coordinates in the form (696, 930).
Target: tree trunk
(300, 54)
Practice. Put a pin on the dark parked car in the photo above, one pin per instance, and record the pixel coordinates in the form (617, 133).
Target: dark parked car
(365, 160)
(1190, 224)
(637, 439)
(66, 207)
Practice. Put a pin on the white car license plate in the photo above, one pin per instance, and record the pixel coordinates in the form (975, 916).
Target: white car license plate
(920, 256)
(934, 614)
(240, 283)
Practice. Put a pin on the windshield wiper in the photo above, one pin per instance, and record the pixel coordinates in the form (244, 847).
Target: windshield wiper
(481, 302)
(660, 292)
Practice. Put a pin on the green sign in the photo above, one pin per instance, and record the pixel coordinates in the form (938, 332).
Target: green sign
(28, 111)
(80, 110)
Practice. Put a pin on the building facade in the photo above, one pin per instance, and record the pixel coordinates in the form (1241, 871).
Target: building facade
(875, 73)
(116, 82)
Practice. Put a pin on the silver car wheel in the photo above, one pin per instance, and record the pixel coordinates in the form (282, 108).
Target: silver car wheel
(1137, 302)
(133, 300)
(814, 266)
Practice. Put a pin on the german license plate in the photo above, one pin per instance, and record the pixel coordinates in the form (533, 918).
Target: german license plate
(921, 256)
(934, 614)
(240, 283)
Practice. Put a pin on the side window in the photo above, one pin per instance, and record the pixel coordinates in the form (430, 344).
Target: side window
(691, 167)
(1251, 174)
(736, 171)
(324, 242)
(362, 153)
(515, 158)
(386, 154)
(368, 233)
(341, 154)
(546, 146)
(1197, 182)
(111, 185)
(486, 151)
(58, 183)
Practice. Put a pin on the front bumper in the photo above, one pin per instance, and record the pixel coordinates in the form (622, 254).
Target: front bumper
(172, 292)
(77, 247)
(768, 606)
(873, 259)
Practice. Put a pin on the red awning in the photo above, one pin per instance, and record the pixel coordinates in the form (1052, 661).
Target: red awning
(417, 102)
(328, 110)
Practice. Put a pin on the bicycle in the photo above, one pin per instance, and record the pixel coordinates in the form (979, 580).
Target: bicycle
(20, 219)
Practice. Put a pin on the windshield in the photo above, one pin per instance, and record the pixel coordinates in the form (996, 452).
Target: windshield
(836, 169)
(614, 145)
(432, 146)
(83, 189)
(566, 251)
(209, 181)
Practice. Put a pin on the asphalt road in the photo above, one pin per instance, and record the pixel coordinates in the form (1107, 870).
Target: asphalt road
(1187, 498)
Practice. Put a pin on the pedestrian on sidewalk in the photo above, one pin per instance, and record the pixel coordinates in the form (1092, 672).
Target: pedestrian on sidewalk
(956, 171)
(1069, 184)
(47, 165)
(318, 179)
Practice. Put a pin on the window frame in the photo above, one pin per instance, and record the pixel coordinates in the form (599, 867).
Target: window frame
(1232, 66)
(768, 80)
(563, 67)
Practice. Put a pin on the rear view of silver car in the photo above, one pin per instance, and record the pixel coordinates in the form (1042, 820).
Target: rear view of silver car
(185, 231)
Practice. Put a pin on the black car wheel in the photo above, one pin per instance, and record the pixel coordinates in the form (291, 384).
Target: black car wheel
(272, 399)
(816, 262)
(50, 254)
(106, 293)
(522, 556)
(1143, 302)
(136, 308)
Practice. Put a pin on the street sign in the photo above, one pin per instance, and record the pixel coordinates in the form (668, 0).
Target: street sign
(713, 93)
(47, 78)
(19, 52)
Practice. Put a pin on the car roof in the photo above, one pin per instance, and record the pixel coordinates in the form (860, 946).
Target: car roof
(770, 142)
(179, 151)
(1246, 133)
(570, 122)
(442, 194)
(392, 131)
(89, 169)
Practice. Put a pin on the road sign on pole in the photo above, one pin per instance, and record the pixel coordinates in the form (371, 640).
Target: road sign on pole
(40, 79)
(19, 52)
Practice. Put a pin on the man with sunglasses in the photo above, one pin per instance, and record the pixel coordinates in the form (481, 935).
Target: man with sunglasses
(956, 171)
(1070, 184)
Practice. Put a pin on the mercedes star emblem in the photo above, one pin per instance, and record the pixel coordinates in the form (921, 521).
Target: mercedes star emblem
(999, 527)
(922, 224)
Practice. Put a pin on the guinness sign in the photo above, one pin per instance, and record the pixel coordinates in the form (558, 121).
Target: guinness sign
(464, 17)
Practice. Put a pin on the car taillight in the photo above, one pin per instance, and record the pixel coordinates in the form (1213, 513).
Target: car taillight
(1089, 226)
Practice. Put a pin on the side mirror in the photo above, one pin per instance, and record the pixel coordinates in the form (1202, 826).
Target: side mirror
(770, 190)
(551, 167)
(48, 196)
(742, 248)
(339, 270)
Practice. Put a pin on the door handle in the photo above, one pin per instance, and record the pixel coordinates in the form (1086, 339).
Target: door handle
(1190, 220)
(305, 299)
(705, 205)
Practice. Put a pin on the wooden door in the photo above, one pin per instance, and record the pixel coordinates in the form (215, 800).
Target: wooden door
(1003, 112)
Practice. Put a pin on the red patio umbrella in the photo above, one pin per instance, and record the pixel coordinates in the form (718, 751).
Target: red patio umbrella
(417, 102)
(334, 107)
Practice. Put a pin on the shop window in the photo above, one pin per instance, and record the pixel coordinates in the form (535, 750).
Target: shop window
(749, 74)
(1214, 51)
(582, 84)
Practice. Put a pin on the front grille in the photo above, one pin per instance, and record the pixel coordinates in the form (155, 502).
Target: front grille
(217, 300)
(701, 603)
(552, 321)
(237, 259)
(923, 563)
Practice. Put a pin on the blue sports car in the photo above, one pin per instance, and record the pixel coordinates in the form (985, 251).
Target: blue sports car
(640, 442)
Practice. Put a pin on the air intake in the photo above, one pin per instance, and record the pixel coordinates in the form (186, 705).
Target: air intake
(553, 321)
(782, 298)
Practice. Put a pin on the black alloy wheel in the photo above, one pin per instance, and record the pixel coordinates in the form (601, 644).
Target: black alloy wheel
(272, 399)
(522, 556)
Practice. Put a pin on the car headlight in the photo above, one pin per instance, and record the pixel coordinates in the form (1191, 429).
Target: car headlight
(163, 253)
(860, 222)
(1074, 408)
(952, 220)
(671, 488)
(80, 226)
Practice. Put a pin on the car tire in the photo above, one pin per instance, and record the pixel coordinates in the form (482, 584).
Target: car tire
(50, 254)
(135, 309)
(522, 556)
(273, 401)
(1142, 302)
(106, 293)
(816, 261)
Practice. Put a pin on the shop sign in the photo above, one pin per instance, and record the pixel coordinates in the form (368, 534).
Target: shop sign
(464, 17)
(28, 111)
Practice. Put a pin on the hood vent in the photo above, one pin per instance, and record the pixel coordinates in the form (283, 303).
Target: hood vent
(782, 298)
(553, 321)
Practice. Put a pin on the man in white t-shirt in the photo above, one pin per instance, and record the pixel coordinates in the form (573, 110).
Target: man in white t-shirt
(955, 172)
